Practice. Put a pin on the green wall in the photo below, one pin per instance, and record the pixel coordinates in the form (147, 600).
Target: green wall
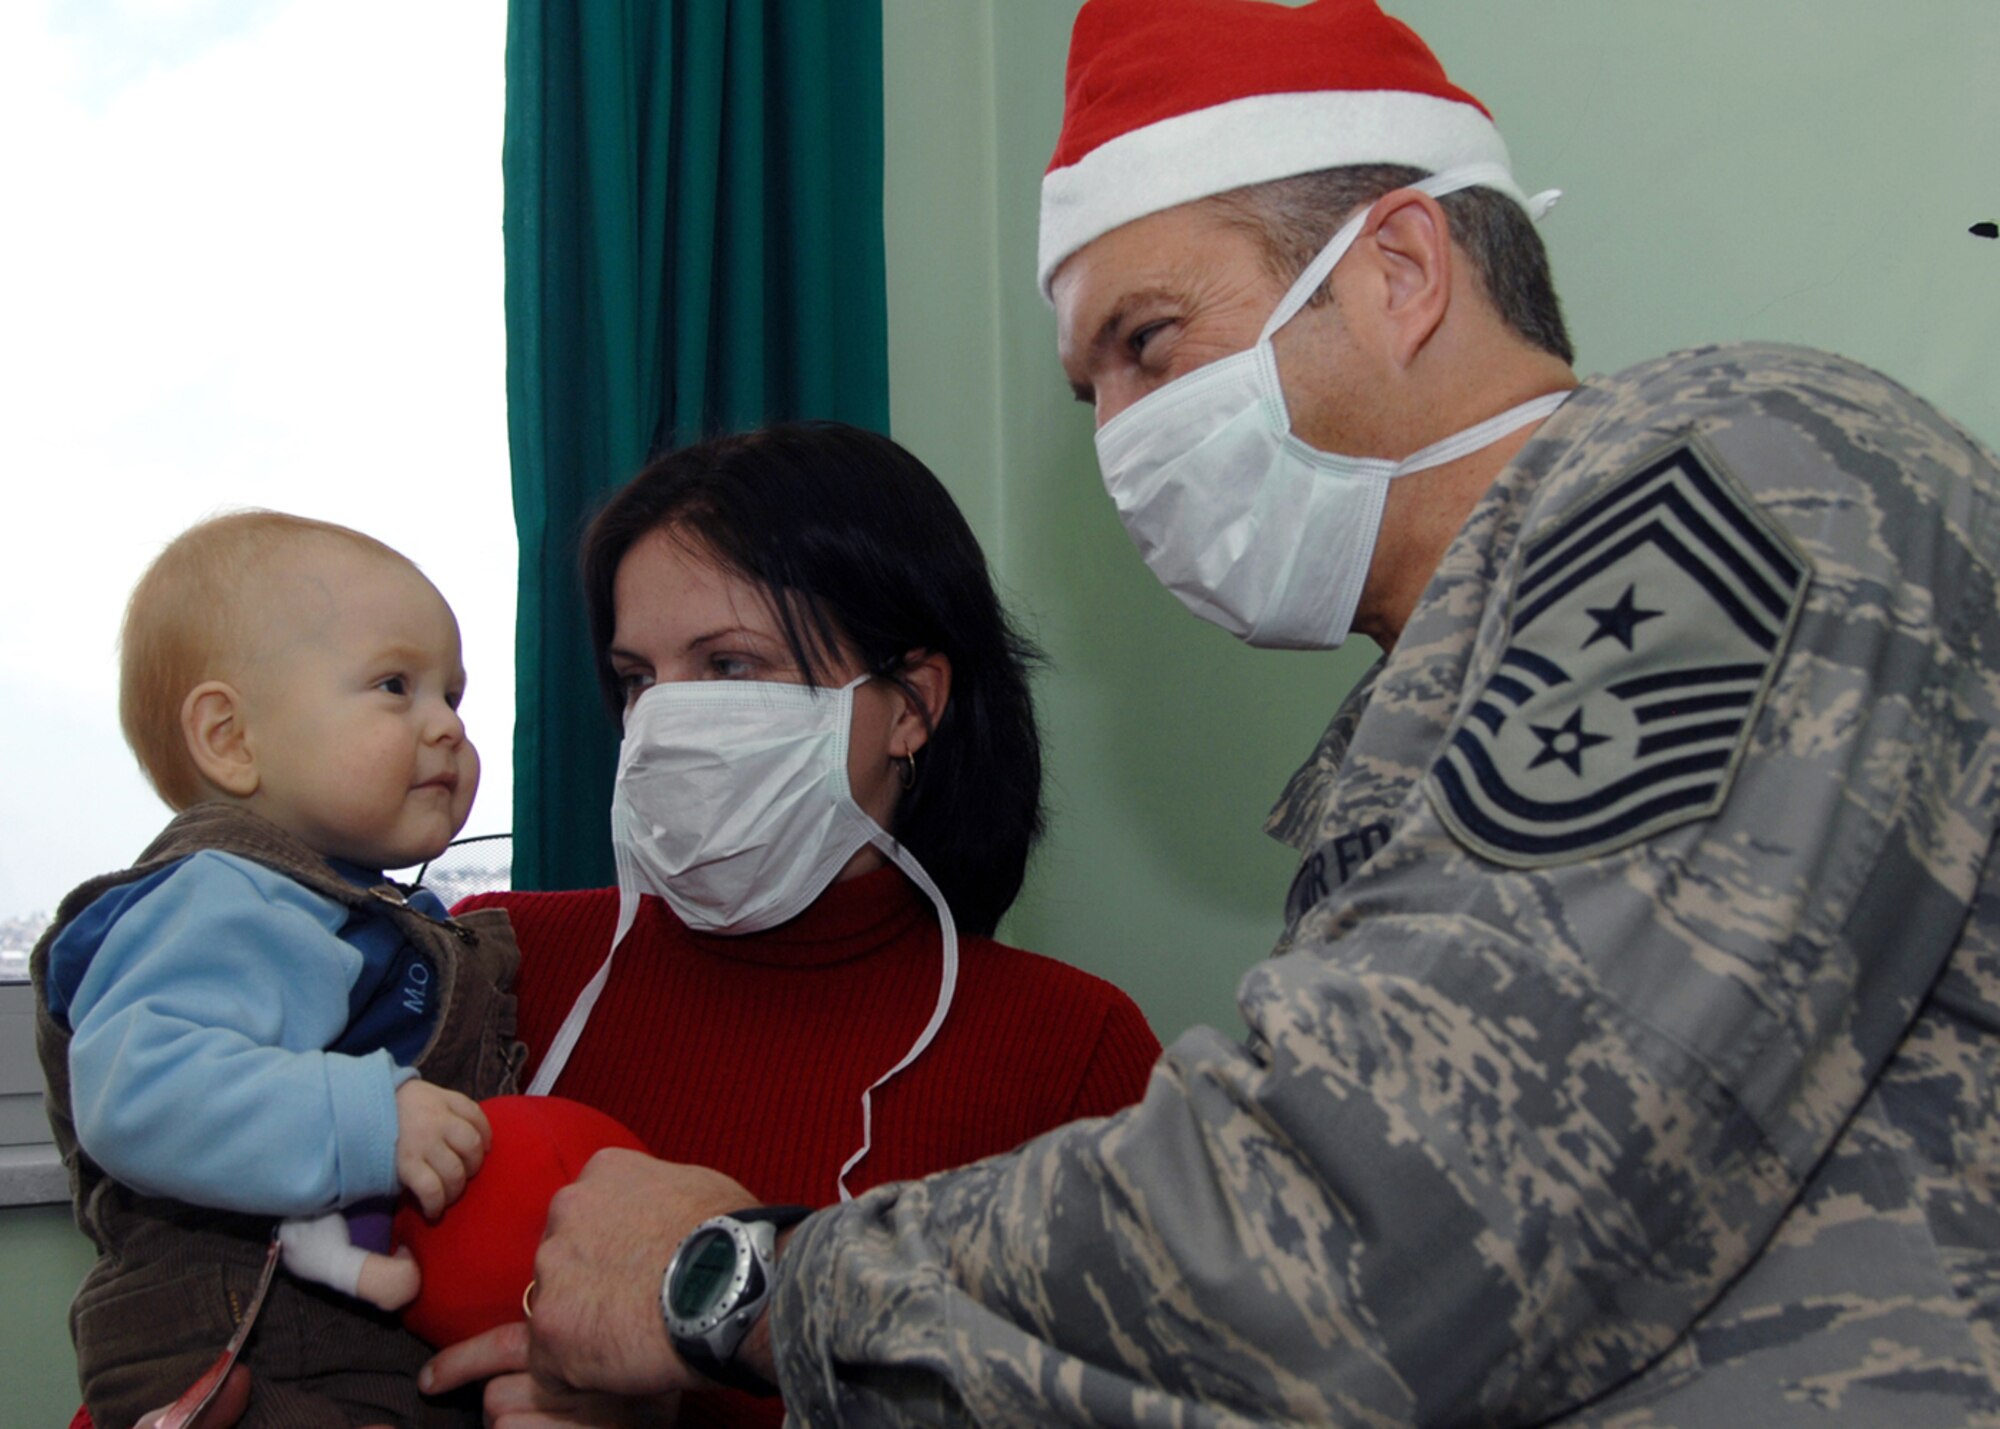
(45, 1258)
(1732, 170)
(1167, 739)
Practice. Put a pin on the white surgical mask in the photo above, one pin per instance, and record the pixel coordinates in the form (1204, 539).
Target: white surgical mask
(1249, 526)
(733, 805)
(732, 800)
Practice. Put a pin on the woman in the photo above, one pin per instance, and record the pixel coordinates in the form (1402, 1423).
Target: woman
(828, 790)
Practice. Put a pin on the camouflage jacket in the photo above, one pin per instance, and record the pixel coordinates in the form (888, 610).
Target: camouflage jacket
(1633, 1058)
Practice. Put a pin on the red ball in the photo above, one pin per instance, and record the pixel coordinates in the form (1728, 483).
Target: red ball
(479, 1256)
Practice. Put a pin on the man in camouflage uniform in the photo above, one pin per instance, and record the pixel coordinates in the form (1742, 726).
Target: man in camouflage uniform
(1632, 1054)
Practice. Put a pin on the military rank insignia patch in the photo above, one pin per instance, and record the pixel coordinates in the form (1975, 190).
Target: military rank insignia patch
(1641, 641)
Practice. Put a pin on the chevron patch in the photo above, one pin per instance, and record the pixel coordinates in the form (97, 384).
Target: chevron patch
(1641, 643)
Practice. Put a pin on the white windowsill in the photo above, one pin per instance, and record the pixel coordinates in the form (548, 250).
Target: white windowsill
(31, 1176)
(30, 1172)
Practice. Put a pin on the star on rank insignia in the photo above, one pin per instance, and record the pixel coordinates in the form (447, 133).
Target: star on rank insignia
(1642, 637)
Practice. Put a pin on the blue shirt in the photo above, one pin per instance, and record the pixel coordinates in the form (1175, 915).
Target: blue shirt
(237, 1039)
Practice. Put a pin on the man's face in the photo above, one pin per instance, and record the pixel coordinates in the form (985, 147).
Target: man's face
(1155, 299)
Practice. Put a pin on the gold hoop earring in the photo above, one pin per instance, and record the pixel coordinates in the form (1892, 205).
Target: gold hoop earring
(906, 768)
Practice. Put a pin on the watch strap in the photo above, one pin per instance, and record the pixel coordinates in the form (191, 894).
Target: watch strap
(783, 1217)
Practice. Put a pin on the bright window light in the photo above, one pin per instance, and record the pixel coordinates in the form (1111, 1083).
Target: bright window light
(253, 258)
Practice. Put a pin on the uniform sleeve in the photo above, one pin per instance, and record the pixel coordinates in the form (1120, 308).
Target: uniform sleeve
(1506, 1130)
(195, 1062)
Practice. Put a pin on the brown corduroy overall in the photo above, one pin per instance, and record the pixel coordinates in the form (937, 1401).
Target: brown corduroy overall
(172, 1279)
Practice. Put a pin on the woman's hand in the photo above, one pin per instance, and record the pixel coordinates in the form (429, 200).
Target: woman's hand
(515, 1399)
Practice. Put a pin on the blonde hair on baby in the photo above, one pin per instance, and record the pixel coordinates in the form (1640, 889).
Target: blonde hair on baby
(188, 621)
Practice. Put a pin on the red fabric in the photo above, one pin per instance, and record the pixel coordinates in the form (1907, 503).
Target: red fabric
(1133, 63)
(478, 1258)
(750, 1054)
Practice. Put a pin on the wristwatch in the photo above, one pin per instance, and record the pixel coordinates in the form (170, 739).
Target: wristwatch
(717, 1285)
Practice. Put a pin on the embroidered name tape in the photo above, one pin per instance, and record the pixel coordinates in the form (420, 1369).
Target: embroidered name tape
(1641, 643)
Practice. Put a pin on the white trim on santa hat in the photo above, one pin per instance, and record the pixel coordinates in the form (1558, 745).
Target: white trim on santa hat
(1251, 141)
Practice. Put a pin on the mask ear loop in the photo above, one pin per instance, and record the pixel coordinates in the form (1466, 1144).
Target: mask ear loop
(947, 975)
(565, 1040)
(947, 985)
(1437, 186)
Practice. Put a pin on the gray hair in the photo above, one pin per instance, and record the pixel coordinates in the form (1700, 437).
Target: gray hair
(1293, 218)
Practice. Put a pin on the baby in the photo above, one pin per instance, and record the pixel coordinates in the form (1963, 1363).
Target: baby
(252, 1023)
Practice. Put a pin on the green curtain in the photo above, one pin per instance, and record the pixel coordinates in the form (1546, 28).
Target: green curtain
(693, 227)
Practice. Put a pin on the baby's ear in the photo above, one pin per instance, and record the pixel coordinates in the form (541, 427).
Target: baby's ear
(217, 740)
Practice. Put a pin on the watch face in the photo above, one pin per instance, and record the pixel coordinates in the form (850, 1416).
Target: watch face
(707, 1263)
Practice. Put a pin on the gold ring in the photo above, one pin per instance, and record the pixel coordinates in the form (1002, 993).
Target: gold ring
(528, 1302)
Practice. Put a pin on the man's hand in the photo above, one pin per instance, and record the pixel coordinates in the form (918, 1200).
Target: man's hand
(610, 1234)
(441, 1137)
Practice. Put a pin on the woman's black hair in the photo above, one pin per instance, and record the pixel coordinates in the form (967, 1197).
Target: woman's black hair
(859, 546)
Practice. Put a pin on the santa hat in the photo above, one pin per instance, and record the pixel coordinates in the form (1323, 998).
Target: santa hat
(1173, 100)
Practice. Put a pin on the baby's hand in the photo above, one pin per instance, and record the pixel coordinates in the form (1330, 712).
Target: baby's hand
(441, 1137)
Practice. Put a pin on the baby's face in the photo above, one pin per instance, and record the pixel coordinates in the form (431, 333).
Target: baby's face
(352, 710)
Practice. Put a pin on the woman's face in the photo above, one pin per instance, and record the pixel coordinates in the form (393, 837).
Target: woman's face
(681, 615)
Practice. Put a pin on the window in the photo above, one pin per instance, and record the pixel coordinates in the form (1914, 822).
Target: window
(264, 269)
(261, 266)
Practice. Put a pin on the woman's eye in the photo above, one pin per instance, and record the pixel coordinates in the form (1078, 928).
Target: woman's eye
(730, 667)
(634, 683)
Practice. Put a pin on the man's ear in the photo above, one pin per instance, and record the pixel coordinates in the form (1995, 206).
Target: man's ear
(1411, 239)
(930, 676)
(218, 739)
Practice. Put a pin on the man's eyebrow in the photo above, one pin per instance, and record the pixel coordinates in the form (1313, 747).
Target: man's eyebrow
(1108, 331)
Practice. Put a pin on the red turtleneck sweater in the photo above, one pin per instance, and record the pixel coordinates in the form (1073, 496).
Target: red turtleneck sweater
(750, 1054)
